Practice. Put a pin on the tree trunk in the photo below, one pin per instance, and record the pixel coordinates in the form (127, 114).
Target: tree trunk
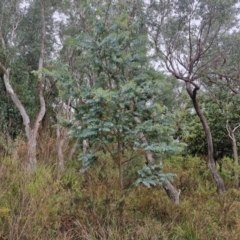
(231, 134)
(32, 151)
(72, 150)
(31, 133)
(85, 146)
(32, 139)
(211, 162)
(61, 138)
(235, 153)
(171, 191)
(119, 156)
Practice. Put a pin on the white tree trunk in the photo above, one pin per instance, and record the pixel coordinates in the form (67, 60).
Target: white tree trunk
(31, 133)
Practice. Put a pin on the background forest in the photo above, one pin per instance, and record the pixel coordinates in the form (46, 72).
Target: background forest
(119, 119)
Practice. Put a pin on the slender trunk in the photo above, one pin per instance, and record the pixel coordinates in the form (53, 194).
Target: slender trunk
(62, 134)
(72, 150)
(231, 134)
(85, 146)
(171, 191)
(235, 153)
(61, 138)
(119, 156)
(211, 162)
(15, 151)
(32, 139)
(2, 40)
(148, 154)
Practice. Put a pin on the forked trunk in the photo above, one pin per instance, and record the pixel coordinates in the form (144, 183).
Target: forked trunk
(31, 132)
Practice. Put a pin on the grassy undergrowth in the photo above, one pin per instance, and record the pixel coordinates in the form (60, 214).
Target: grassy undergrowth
(69, 205)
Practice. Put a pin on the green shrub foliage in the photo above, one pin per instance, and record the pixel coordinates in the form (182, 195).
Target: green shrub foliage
(119, 86)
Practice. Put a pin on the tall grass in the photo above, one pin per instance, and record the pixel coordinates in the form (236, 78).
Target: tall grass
(68, 205)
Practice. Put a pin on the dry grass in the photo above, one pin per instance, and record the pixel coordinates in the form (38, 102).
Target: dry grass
(69, 205)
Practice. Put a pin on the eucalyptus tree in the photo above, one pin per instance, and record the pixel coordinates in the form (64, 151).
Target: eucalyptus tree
(23, 36)
(183, 34)
(221, 109)
(10, 118)
(226, 74)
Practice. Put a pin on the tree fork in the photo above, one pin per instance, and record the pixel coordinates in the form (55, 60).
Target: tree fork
(31, 132)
